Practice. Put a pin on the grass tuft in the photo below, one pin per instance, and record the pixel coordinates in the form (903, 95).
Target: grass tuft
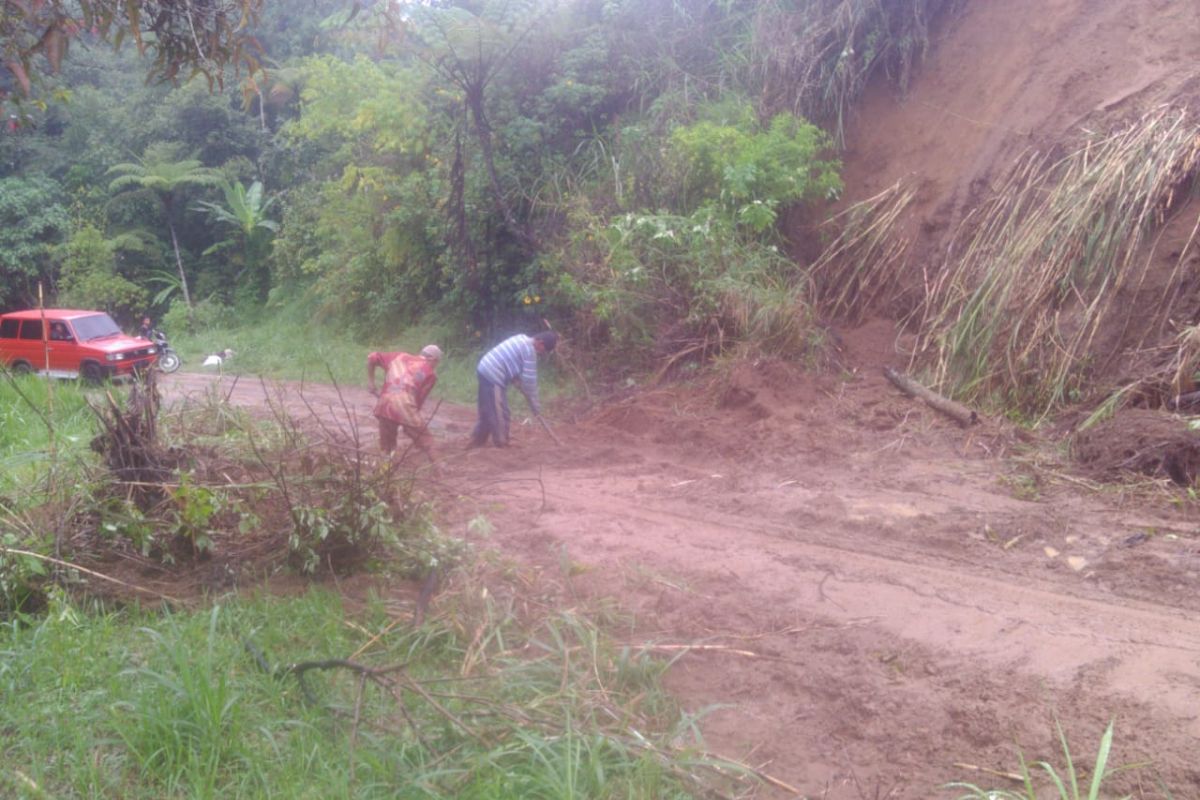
(819, 54)
(858, 267)
(1068, 781)
(475, 703)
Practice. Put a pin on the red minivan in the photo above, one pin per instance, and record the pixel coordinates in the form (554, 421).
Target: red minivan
(77, 344)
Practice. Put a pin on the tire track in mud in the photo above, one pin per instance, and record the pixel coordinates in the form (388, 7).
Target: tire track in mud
(1000, 649)
(1056, 630)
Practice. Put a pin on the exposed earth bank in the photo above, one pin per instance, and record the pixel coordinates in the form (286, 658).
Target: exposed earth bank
(881, 595)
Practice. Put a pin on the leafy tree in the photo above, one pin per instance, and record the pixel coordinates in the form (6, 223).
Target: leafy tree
(89, 277)
(469, 50)
(201, 38)
(159, 173)
(245, 211)
(32, 220)
(367, 231)
(207, 124)
(752, 171)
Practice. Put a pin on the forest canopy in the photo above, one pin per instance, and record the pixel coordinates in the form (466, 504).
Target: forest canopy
(622, 170)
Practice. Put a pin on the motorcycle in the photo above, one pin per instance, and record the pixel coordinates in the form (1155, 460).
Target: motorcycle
(168, 360)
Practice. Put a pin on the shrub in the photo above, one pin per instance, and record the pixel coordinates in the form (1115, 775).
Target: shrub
(207, 313)
(649, 285)
(90, 280)
(750, 171)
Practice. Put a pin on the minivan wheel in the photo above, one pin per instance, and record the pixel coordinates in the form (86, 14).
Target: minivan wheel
(91, 373)
(22, 368)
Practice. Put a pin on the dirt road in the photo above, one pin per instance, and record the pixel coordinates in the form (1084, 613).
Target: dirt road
(888, 596)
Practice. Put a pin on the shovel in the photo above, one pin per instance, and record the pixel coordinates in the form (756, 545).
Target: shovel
(551, 433)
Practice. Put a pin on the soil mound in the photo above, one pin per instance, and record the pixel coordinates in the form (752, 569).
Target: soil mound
(1139, 440)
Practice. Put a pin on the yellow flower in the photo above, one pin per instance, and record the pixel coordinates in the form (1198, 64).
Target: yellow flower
(528, 300)
(537, 298)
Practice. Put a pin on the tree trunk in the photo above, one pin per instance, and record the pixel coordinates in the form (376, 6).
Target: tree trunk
(183, 285)
(461, 243)
(483, 129)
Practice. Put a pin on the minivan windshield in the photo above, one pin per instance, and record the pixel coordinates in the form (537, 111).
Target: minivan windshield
(96, 326)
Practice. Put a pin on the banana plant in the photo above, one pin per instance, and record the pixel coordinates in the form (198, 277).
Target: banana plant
(245, 212)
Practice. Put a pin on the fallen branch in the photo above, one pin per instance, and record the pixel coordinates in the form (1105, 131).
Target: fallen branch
(758, 773)
(1012, 776)
(672, 648)
(59, 562)
(956, 411)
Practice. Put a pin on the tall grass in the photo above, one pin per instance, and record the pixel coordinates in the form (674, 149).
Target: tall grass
(36, 417)
(139, 705)
(818, 55)
(1055, 258)
(859, 266)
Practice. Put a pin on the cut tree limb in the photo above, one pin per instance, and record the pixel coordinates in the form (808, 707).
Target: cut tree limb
(956, 411)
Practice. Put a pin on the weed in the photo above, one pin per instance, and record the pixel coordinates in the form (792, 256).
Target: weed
(1023, 486)
(1067, 780)
(183, 723)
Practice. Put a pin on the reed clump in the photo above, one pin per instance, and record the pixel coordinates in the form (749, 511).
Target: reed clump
(860, 265)
(818, 55)
(1038, 294)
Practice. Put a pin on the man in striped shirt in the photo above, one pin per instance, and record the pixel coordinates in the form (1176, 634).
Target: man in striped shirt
(512, 361)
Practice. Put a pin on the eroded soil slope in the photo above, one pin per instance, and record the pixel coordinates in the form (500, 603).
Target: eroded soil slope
(882, 594)
(1004, 76)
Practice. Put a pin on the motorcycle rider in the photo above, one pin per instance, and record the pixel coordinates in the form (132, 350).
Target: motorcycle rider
(147, 329)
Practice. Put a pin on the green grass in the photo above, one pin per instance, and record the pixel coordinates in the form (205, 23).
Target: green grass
(137, 704)
(1067, 781)
(38, 417)
(291, 345)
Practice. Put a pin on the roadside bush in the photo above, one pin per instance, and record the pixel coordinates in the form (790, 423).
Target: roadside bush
(207, 313)
(20, 575)
(751, 171)
(680, 287)
(89, 278)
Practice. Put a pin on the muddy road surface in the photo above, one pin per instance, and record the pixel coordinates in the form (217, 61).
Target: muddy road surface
(886, 602)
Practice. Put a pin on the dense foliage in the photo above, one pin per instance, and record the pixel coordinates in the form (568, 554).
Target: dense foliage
(493, 165)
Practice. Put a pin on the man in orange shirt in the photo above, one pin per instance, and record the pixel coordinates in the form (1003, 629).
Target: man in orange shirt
(407, 381)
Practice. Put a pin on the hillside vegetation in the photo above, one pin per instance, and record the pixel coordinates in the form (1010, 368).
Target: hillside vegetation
(998, 196)
(647, 177)
(616, 170)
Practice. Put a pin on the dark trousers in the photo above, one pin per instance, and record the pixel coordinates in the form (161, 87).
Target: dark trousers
(494, 416)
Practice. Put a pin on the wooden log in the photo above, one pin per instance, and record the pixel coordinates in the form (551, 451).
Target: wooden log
(1186, 400)
(956, 411)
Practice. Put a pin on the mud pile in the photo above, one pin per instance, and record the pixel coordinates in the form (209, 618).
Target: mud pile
(1145, 441)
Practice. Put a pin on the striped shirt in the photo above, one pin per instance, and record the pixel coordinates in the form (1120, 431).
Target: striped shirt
(514, 359)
